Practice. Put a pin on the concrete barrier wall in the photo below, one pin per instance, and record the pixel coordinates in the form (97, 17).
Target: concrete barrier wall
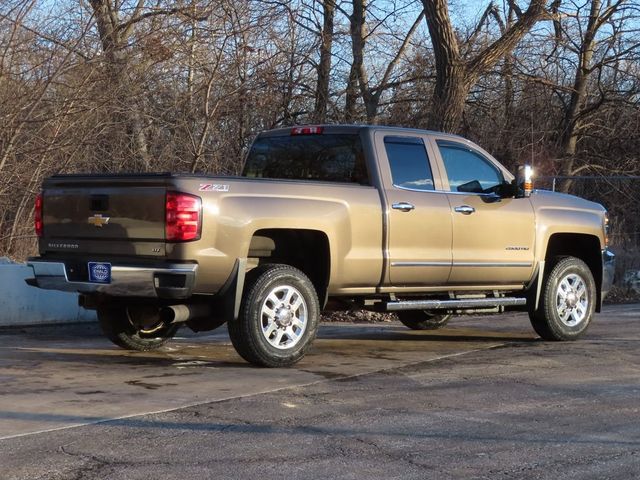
(21, 304)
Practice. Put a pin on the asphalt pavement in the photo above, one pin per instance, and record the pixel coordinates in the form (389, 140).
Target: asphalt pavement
(482, 398)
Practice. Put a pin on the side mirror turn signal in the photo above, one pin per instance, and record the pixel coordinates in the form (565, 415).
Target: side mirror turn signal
(524, 181)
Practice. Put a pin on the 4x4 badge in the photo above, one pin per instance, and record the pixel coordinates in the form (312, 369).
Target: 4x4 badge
(98, 220)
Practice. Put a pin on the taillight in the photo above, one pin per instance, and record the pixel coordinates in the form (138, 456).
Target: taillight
(307, 130)
(183, 217)
(37, 215)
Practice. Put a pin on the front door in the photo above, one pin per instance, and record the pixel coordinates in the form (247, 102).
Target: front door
(493, 238)
(419, 217)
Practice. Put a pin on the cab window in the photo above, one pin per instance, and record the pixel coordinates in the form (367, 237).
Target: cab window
(467, 170)
(409, 163)
(325, 158)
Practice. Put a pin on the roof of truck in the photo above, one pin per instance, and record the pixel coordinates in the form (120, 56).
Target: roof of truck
(343, 128)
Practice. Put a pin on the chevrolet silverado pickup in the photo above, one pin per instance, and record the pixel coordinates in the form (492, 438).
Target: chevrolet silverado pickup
(423, 224)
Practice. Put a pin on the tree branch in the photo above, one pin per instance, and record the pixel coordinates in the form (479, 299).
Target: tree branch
(392, 64)
(508, 40)
(126, 27)
(46, 37)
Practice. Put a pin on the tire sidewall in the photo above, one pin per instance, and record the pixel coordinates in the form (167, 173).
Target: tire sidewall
(252, 308)
(563, 268)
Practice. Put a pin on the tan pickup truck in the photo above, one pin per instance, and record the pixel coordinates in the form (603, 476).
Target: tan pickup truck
(420, 223)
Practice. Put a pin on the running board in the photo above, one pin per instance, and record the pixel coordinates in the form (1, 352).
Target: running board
(454, 304)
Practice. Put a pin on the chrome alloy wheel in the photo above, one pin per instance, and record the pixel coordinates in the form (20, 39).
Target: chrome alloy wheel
(572, 300)
(284, 317)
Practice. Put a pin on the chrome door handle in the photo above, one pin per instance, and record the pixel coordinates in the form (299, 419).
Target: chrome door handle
(403, 206)
(465, 209)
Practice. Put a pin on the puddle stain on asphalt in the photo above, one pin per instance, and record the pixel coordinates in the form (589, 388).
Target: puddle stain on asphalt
(149, 386)
(105, 381)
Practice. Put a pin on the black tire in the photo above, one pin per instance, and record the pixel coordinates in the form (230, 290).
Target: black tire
(255, 333)
(135, 328)
(423, 320)
(548, 320)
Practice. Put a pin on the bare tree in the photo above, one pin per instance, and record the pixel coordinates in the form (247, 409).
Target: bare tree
(594, 56)
(324, 65)
(359, 78)
(184, 86)
(115, 31)
(455, 74)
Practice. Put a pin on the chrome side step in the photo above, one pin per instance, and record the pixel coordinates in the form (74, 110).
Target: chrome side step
(454, 304)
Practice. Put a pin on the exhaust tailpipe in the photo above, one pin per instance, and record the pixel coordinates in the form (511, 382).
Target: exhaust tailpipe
(184, 313)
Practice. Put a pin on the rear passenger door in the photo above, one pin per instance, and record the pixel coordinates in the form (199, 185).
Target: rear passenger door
(418, 216)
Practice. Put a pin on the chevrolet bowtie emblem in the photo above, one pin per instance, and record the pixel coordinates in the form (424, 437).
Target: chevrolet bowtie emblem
(98, 220)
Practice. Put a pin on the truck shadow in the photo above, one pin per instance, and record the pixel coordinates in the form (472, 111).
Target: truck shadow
(444, 335)
(392, 342)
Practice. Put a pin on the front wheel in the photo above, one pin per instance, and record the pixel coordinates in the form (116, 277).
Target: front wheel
(567, 301)
(135, 327)
(278, 318)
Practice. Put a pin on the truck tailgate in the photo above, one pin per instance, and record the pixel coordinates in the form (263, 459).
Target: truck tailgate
(121, 214)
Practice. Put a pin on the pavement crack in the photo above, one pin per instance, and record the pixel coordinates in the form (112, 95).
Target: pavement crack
(94, 465)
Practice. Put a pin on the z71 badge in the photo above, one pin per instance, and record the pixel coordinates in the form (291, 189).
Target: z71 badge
(212, 187)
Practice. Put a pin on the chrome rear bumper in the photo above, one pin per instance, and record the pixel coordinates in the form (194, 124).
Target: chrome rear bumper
(168, 281)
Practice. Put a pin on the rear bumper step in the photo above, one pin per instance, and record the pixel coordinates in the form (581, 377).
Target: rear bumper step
(171, 281)
(454, 304)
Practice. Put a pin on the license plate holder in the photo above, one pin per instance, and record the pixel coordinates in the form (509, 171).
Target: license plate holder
(99, 272)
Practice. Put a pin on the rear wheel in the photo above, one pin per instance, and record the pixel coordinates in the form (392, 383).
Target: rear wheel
(567, 301)
(423, 320)
(278, 317)
(135, 327)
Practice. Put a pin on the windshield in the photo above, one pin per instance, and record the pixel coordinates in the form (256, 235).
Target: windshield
(327, 157)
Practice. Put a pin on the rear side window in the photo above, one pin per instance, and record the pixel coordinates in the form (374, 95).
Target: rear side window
(325, 157)
(467, 170)
(409, 163)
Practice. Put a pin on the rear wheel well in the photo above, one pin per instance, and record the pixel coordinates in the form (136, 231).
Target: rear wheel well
(585, 247)
(306, 250)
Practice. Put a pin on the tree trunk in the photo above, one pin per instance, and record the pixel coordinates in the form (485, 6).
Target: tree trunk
(571, 122)
(454, 75)
(128, 113)
(450, 90)
(352, 96)
(370, 94)
(324, 67)
(449, 98)
(358, 42)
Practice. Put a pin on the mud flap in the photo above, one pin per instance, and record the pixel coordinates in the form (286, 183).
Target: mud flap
(230, 295)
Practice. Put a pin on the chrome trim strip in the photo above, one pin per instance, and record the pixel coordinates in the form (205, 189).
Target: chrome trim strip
(477, 194)
(488, 264)
(409, 189)
(420, 264)
(460, 264)
(448, 192)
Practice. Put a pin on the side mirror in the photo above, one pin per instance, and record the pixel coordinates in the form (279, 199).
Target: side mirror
(523, 181)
